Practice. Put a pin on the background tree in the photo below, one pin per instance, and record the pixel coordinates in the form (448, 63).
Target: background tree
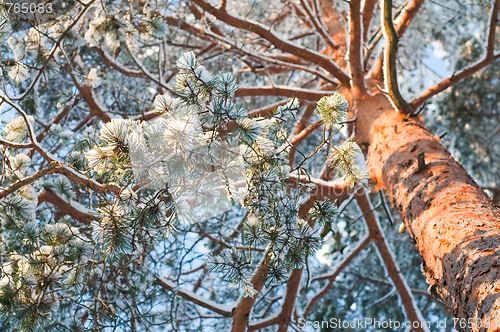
(102, 124)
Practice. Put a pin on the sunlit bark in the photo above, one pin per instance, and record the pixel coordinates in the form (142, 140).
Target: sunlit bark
(450, 219)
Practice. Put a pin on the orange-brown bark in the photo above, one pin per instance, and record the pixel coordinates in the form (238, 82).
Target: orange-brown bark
(244, 307)
(290, 298)
(356, 49)
(454, 226)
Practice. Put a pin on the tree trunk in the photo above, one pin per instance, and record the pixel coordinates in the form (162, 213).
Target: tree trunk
(454, 226)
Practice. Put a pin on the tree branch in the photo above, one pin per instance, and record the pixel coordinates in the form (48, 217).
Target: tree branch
(285, 315)
(469, 70)
(86, 181)
(108, 59)
(65, 207)
(304, 119)
(145, 70)
(296, 139)
(413, 290)
(15, 145)
(283, 45)
(299, 11)
(320, 28)
(323, 189)
(244, 307)
(492, 24)
(57, 43)
(267, 110)
(181, 24)
(368, 11)
(334, 274)
(221, 309)
(25, 181)
(403, 19)
(273, 61)
(60, 168)
(356, 49)
(390, 57)
(87, 93)
(292, 288)
(283, 91)
(224, 243)
(58, 118)
(377, 235)
(495, 191)
(31, 133)
(300, 137)
(264, 111)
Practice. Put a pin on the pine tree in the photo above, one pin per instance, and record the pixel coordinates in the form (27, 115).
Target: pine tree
(187, 165)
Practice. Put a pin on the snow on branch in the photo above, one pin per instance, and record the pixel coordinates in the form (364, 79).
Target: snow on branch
(492, 24)
(221, 309)
(407, 16)
(58, 118)
(183, 25)
(143, 68)
(267, 110)
(85, 181)
(25, 181)
(413, 290)
(15, 145)
(72, 209)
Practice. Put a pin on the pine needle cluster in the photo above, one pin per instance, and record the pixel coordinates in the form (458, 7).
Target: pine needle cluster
(203, 156)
